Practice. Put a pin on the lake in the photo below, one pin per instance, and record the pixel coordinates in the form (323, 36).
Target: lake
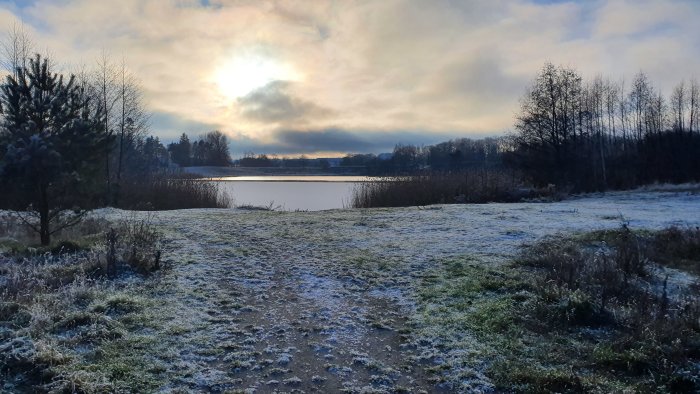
(310, 193)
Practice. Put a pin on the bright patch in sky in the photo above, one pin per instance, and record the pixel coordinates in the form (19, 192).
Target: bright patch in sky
(357, 75)
(245, 73)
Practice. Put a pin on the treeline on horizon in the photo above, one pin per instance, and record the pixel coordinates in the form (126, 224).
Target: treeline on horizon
(599, 134)
(455, 154)
(571, 135)
(578, 135)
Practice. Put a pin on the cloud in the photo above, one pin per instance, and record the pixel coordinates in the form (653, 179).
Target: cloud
(323, 140)
(273, 103)
(170, 126)
(364, 67)
(336, 141)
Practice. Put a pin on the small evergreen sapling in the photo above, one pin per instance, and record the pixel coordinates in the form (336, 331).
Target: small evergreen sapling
(50, 141)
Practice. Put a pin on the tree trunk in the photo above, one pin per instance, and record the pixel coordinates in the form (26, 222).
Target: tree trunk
(121, 139)
(44, 232)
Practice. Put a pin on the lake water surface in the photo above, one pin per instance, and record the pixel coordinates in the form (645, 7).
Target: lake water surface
(311, 193)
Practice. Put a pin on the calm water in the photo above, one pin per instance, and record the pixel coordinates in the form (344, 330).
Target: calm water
(312, 193)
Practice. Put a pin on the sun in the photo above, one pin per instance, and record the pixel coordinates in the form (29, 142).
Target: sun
(243, 74)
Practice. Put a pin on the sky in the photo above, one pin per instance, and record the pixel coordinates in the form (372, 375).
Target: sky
(322, 77)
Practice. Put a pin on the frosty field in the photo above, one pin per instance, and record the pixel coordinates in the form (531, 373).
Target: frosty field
(354, 300)
(329, 300)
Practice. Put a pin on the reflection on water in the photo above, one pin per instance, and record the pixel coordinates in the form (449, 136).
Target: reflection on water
(311, 193)
(294, 178)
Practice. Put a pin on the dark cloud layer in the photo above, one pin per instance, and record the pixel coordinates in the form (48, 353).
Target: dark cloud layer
(291, 142)
(170, 126)
(274, 103)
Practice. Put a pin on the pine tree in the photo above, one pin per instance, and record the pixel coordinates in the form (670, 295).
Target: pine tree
(51, 142)
(181, 151)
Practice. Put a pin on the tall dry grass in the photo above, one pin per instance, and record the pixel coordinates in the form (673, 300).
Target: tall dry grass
(472, 186)
(166, 193)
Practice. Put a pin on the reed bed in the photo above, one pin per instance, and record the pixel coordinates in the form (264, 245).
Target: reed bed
(162, 193)
(474, 186)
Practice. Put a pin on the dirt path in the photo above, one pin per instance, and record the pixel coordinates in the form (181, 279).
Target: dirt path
(275, 320)
(327, 301)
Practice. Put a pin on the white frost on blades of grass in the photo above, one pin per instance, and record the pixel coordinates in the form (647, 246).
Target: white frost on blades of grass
(489, 233)
(494, 231)
(328, 295)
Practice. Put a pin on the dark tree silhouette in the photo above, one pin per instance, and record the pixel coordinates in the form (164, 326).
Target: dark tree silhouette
(593, 136)
(218, 154)
(51, 140)
(209, 150)
(181, 151)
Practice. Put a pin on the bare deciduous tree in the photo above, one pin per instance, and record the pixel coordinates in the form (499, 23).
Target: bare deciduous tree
(133, 120)
(16, 49)
(678, 105)
(693, 105)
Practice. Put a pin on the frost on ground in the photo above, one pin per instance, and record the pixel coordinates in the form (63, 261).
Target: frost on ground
(324, 301)
(341, 300)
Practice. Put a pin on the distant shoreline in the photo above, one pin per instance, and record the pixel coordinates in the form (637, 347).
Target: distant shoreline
(325, 178)
(223, 172)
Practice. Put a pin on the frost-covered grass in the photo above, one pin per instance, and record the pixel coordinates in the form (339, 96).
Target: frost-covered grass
(72, 315)
(85, 335)
(377, 300)
(586, 313)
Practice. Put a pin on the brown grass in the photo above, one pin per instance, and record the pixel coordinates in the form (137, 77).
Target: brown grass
(612, 281)
(475, 186)
(165, 193)
(678, 247)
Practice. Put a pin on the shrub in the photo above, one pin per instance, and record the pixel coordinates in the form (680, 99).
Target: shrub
(57, 300)
(611, 280)
(17, 236)
(678, 247)
(134, 241)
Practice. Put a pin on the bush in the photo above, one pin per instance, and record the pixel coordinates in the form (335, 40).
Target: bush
(611, 280)
(135, 241)
(75, 296)
(132, 242)
(17, 236)
(678, 247)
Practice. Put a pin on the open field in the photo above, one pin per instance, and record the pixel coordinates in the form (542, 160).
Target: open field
(356, 300)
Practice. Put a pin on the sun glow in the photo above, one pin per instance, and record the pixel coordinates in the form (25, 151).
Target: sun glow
(243, 74)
